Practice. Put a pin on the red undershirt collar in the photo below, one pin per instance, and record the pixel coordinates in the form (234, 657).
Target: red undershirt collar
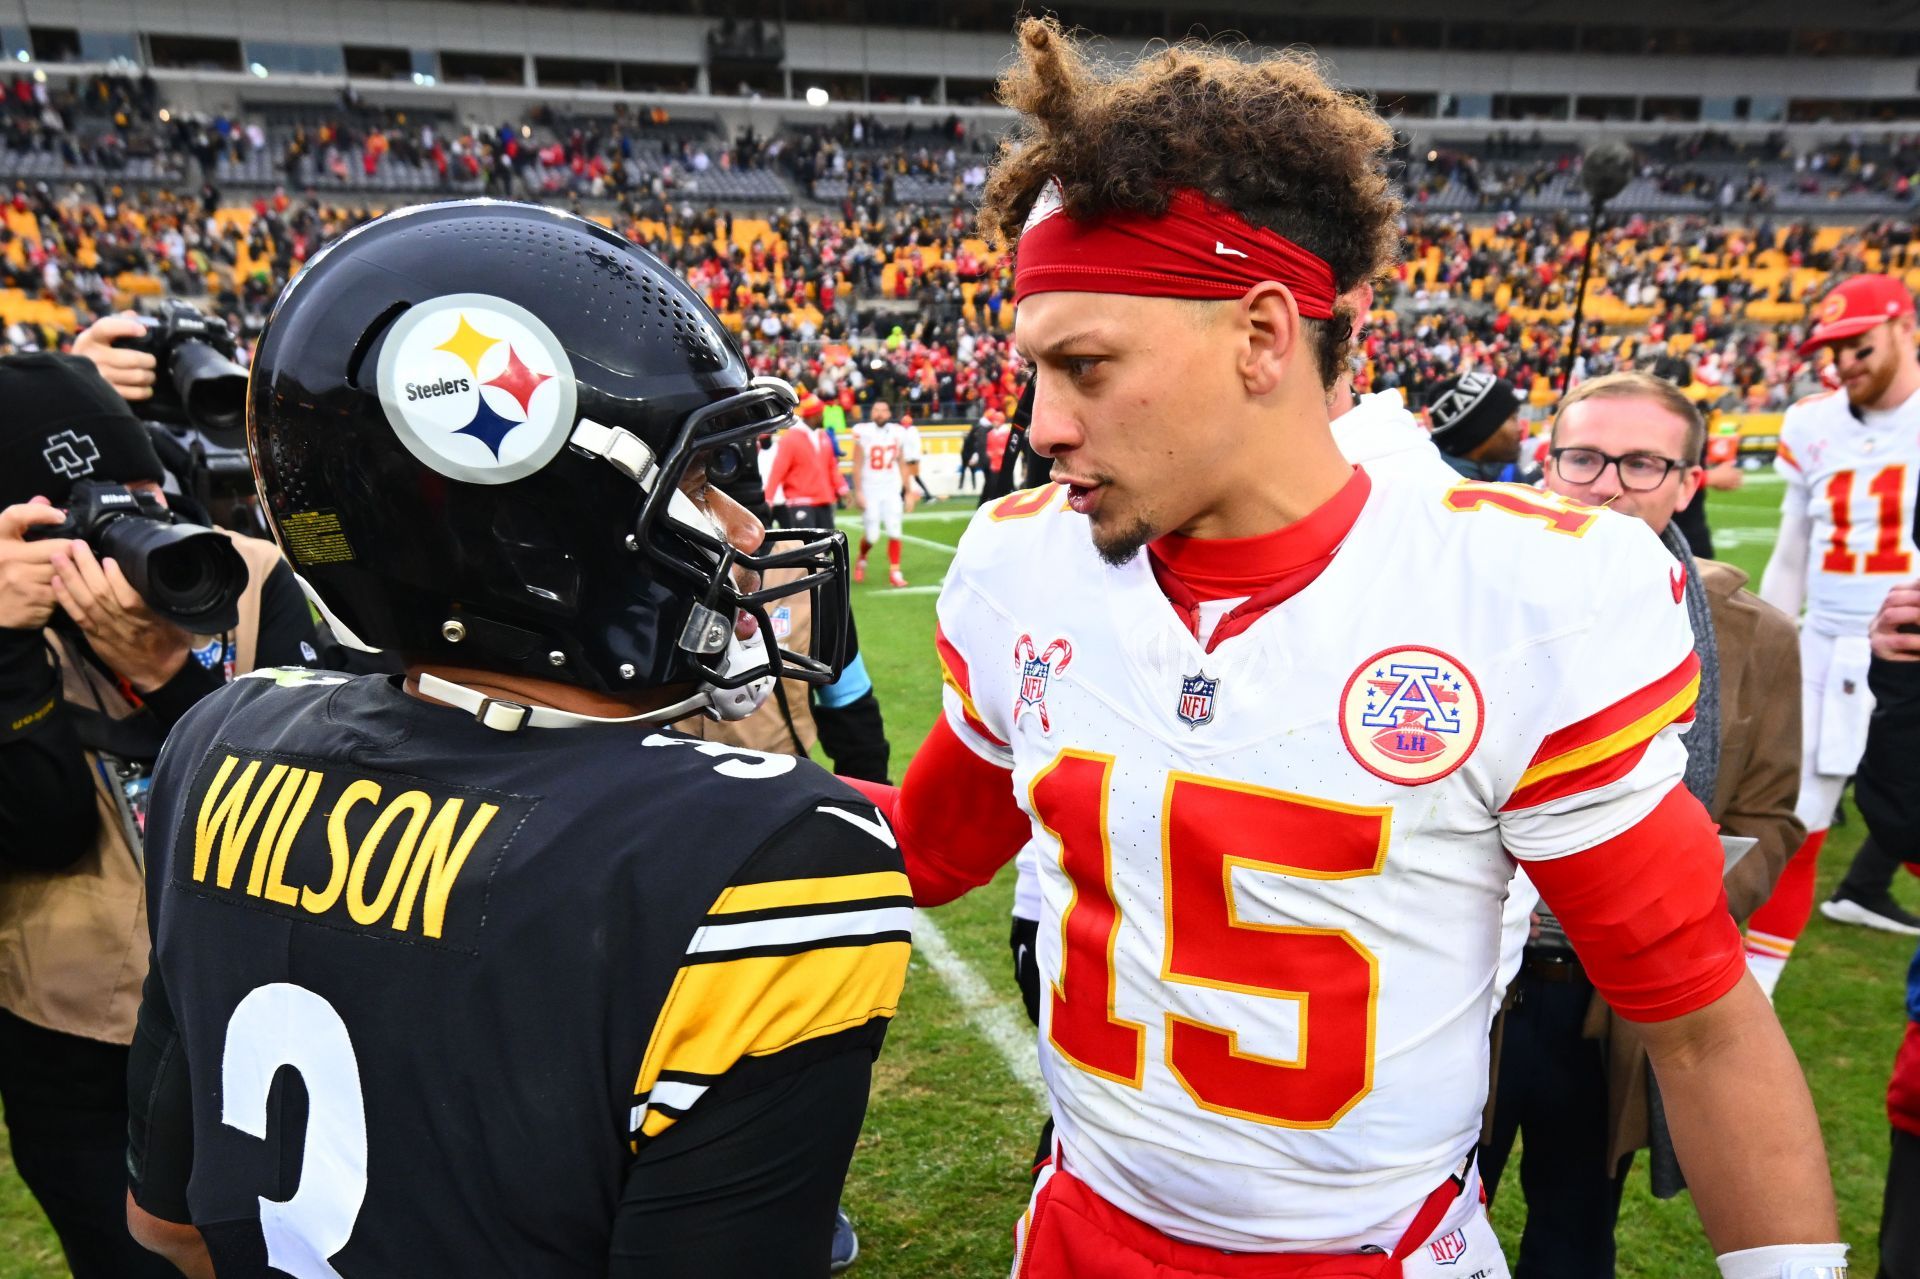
(1268, 569)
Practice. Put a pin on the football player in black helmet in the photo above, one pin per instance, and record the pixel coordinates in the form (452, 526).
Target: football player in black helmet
(559, 992)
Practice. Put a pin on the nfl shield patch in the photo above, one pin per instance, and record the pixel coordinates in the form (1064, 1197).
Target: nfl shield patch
(1037, 669)
(1449, 1248)
(1196, 700)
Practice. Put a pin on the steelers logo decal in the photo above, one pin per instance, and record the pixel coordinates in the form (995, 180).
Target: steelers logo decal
(477, 388)
(1411, 715)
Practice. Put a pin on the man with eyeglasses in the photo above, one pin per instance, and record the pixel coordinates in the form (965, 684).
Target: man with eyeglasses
(1850, 459)
(1633, 442)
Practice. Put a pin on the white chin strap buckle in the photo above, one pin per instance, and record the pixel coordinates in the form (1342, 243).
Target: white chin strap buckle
(627, 452)
(510, 717)
(502, 716)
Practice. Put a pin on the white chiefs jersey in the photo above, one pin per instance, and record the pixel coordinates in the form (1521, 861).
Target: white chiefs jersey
(1377, 433)
(1270, 875)
(887, 445)
(1855, 477)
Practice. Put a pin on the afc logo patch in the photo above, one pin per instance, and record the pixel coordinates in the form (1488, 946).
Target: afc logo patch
(1195, 706)
(1036, 674)
(1449, 1248)
(1410, 715)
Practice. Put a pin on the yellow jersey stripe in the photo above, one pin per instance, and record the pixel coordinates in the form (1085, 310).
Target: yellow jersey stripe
(719, 1013)
(812, 892)
(1614, 743)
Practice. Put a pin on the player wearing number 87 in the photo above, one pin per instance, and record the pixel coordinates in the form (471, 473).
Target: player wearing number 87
(565, 992)
(1269, 924)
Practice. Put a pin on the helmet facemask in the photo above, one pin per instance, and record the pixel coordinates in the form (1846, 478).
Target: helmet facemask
(685, 542)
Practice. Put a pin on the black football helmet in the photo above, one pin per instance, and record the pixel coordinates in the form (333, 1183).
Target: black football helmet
(469, 423)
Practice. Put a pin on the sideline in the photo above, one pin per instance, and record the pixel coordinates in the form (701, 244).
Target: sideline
(991, 1017)
(927, 542)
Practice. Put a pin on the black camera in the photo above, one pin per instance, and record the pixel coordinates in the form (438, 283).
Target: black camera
(187, 574)
(196, 381)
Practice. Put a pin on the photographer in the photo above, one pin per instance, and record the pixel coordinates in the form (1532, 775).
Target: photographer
(127, 370)
(91, 680)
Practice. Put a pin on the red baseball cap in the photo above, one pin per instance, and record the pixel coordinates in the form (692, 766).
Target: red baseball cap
(1854, 306)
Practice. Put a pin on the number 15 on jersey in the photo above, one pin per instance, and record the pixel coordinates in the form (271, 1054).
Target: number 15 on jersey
(1208, 827)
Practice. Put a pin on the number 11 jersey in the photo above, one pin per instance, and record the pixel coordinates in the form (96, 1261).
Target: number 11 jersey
(1855, 477)
(1271, 873)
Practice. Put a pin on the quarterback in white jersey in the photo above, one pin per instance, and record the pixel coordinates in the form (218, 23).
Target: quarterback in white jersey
(1272, 961)
(885, 456)
(1851, 462)
(1277, 727)
(1377, 432)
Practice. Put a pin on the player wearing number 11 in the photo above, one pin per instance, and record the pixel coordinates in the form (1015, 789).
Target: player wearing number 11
(1851, 462)
(1276, 726)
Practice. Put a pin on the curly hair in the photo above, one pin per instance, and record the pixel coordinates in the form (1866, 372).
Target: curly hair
(1268, 138)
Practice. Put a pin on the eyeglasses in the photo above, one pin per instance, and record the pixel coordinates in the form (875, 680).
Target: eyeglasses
(1638, 471)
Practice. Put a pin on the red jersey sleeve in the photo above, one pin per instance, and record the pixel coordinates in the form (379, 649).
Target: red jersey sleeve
(955, 817)
(1647, 914)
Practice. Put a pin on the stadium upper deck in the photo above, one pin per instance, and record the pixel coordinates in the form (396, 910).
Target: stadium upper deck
(1638, 62)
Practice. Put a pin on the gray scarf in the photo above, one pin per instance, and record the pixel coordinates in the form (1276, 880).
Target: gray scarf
(1703, 739)
(1703, 771)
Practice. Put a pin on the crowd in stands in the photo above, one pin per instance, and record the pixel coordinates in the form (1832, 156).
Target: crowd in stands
(1725, 296)
(904, 304)
(877, 287)
(1702, 171)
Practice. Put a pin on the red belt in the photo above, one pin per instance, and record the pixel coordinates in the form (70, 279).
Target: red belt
(1068, 1215)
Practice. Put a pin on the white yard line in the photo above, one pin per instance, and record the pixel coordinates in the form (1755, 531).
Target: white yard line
(991, 1017)
(927, 542)
(898, 591)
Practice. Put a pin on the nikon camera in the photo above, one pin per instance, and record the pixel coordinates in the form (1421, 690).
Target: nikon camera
(197, 383)
(187, 574)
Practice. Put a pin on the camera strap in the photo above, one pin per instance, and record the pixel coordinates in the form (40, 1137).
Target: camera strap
(136, 736)
(25, 712)
(123, 748)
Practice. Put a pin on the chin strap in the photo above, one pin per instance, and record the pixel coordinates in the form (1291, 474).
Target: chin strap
(510, 717)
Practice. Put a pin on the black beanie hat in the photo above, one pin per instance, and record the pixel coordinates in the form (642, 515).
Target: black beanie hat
(1465, 411)
(61, 422)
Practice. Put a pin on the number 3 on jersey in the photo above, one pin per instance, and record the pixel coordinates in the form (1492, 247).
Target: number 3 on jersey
(287, 1025)
(1332, 978)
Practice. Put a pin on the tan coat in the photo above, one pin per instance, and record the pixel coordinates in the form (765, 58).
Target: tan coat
(73, 942)
(767, 728)
(1753, 796)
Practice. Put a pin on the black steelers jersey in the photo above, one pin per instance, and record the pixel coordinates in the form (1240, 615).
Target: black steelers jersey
(437, 987)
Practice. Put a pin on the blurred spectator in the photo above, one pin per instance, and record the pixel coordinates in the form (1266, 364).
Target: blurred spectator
(1476, 425)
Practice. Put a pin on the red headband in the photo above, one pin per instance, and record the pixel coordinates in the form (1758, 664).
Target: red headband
(1196, 249)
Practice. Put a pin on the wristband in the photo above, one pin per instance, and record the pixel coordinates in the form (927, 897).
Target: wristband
(1786, 1261)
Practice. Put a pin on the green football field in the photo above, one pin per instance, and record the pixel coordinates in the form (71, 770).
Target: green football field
(941, 1172)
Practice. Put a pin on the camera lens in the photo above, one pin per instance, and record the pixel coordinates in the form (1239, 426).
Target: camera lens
(212, 387)
(189, 575)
